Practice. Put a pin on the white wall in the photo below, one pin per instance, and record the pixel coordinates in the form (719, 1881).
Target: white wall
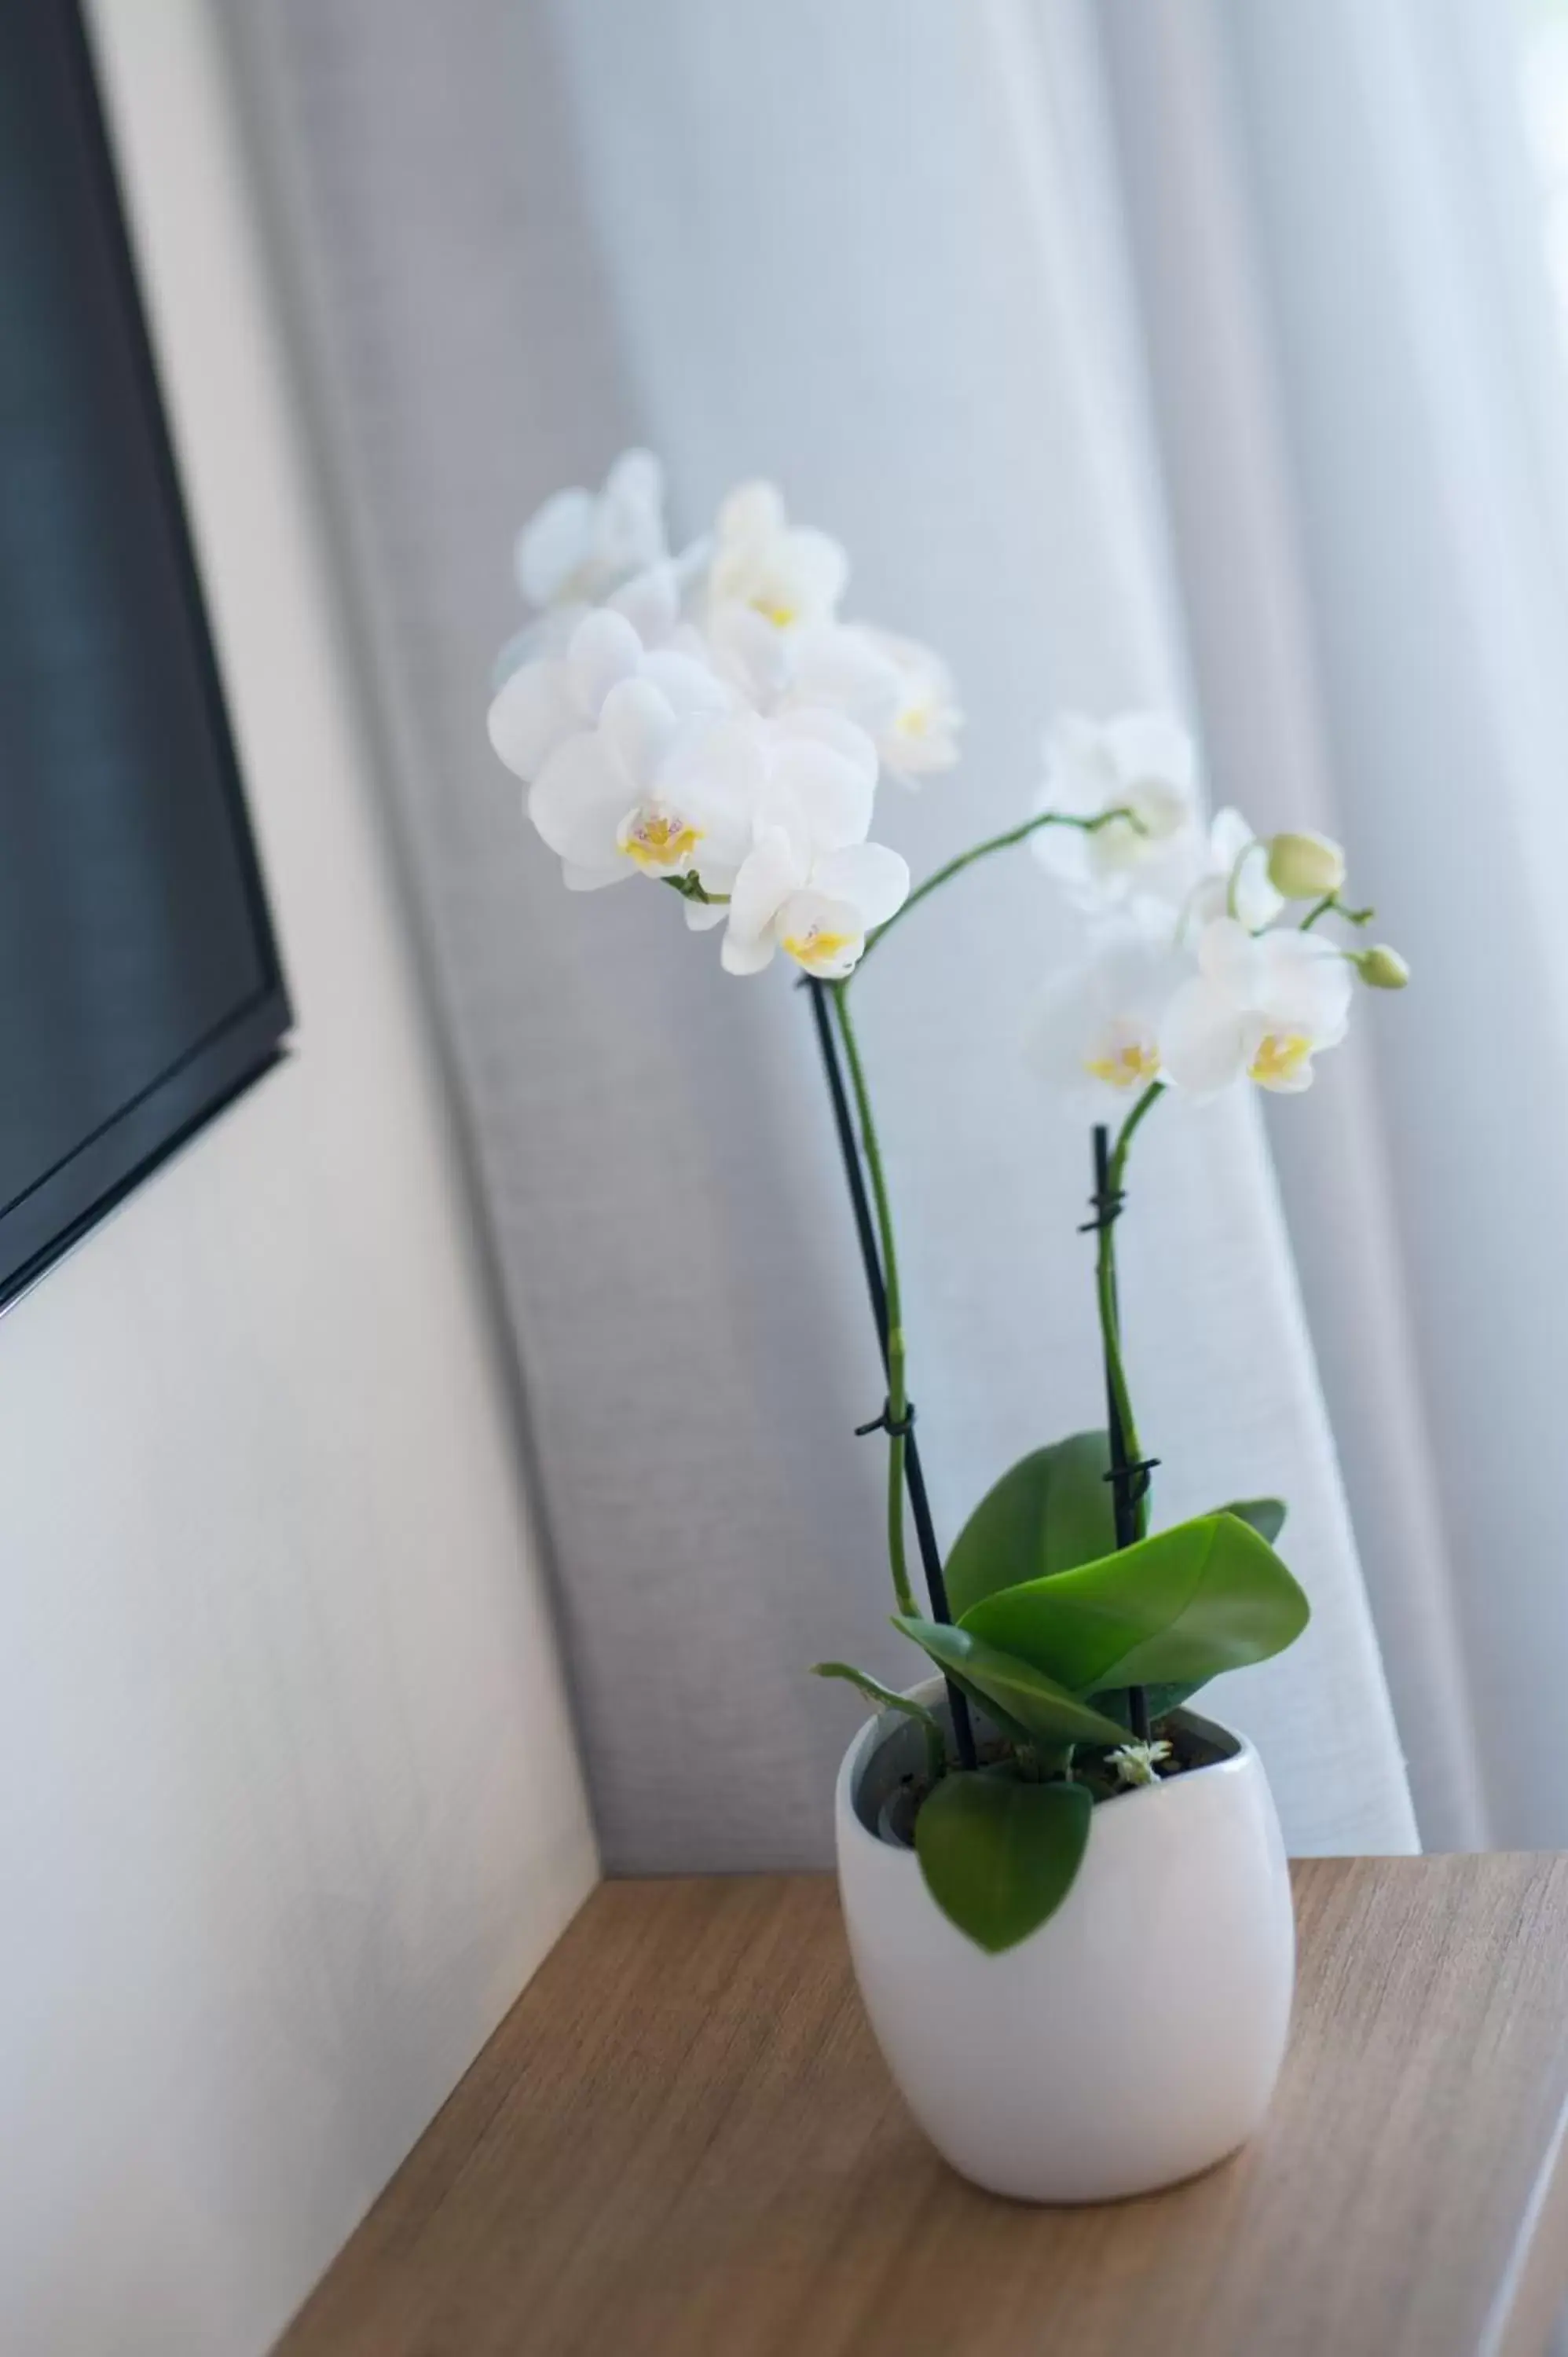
(289, 1806)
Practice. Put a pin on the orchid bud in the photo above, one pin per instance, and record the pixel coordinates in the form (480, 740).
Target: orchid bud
(1306, 866)
(1383, 967)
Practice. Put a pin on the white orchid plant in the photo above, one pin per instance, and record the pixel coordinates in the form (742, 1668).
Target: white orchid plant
(709, 721)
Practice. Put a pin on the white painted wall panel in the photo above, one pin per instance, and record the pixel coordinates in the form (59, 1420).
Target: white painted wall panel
(289, 1805)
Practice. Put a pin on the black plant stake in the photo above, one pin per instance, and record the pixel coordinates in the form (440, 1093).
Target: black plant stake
(1129, 1475)
(914, 1476)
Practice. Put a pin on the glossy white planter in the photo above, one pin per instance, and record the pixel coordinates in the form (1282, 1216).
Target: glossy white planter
(1132, 2040)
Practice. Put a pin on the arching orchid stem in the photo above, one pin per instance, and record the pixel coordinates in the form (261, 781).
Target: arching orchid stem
(897, 1409)
(1331, 905)
(1129, 1130)
(1130, 1469)
(873, 1228)
(945, 874)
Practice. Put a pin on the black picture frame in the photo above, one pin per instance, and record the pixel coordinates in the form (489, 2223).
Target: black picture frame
(58, 1205)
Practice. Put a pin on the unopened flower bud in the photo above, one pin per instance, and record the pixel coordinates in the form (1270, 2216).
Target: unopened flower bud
(1383, 967)
(1306, 866)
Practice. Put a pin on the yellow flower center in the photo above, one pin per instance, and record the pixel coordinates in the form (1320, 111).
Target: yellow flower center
(1130, 1068)
(659, 843)
(916, 719)
(815, 949)
(774, 610)
(1281, 1054)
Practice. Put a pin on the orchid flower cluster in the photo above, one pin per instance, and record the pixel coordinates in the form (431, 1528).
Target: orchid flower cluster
(1202, 963)
(709, 720)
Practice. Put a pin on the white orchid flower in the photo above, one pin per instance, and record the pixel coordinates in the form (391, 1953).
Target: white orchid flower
(630, 797)
(1261, 1005)
(771, 628)
(1234, 877)
(1094, 1035)
(582, 544)
(653, 601)
(822, 667)
(788, 576)
(1142, 763)
(554, 697)
(818, 910)
(899, 692)
(810, 884)
(594, 731)
(755, 657)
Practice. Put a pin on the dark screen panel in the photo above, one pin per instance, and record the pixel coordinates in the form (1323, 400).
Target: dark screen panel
(139, 983)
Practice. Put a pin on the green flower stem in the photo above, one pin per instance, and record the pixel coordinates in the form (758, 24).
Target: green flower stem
(1105, 1282)
(897, 1395)
(897, 1392)
(945, 874)
(1331, 905)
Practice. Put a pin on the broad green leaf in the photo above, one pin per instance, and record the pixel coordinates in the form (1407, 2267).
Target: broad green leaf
(1174, 1609)
(999, 1857)
(1158, 1701)
(1053, 1510)
(886, 1699)
(1265, 1515)
(945, 1648)
(1026, 1705)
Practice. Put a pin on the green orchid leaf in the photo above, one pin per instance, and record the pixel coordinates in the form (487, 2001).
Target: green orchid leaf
(1174, 1609)
(1053, 1510)
(1026, 1705)
(885, 1699)
(1159, 1701)
(999, 1857)
(1265, 1515)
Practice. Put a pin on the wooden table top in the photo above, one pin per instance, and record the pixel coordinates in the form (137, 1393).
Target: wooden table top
(681, 2143)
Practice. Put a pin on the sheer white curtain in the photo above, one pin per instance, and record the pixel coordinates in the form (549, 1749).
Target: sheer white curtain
(876, 251)
(1365, 421)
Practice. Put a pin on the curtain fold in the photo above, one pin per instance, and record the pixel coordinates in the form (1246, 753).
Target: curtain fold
(1363, 408)
(878, 254)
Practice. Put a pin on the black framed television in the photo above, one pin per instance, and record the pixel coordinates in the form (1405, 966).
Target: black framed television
(140, 984)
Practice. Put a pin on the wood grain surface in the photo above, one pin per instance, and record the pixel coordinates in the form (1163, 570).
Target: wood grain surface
(683, 2143)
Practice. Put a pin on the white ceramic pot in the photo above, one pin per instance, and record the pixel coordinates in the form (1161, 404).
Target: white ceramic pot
(1132, 2040)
